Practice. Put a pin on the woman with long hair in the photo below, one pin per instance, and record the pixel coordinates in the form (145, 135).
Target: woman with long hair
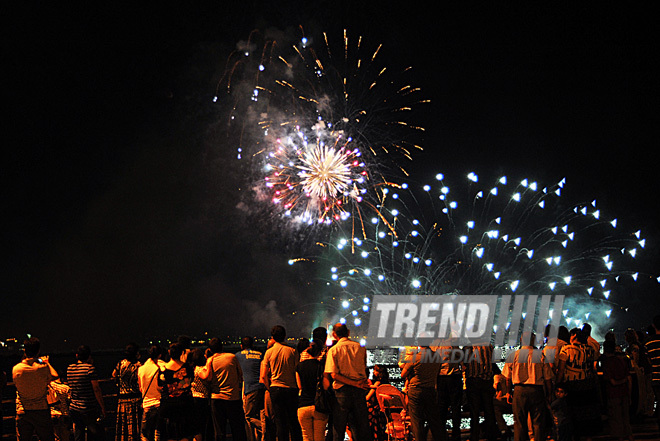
(309, 373)
(129, 401)
(377, 420)
(201, 393)
(176, 418)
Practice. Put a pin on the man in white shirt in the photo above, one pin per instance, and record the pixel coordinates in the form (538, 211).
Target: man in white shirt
(31, 378)
(150, 393)
(346, 363)
(226, 377)
(531, 377)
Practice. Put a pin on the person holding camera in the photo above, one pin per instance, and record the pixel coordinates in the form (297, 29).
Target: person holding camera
(31, 378)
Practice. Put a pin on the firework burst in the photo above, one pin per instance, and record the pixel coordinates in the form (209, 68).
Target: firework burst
(321, 176)
(499, 239)
(326, 173)
(325, 125)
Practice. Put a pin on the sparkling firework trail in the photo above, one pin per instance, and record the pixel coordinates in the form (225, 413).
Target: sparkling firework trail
(324, 125)
(320, 178)
(501, 239)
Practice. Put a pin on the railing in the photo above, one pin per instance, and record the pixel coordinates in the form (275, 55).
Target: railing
(108, 387)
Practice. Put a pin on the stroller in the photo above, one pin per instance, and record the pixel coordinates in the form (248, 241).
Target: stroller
(393, 404)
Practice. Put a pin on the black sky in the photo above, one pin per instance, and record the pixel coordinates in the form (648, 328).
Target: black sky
(120, 206)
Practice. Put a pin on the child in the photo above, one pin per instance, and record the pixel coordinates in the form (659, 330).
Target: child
(563, 426)
(500, 403)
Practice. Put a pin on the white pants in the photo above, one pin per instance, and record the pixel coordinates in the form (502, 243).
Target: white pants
(313, 423)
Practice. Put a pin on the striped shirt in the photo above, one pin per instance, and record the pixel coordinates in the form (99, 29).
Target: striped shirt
(79, 377)
(653, 353)
(478, 362)
(576, 362)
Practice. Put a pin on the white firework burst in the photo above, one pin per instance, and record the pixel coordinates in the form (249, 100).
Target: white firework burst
(325, 172)
(507, 238)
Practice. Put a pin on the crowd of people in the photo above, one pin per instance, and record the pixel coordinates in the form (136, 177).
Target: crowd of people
(555, 388)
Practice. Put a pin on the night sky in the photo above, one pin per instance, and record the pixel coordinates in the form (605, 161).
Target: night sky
(121, 191)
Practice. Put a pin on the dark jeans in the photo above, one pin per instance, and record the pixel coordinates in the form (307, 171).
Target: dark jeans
(564, 432)
(501, 407)
(285, 412)
(480, 395)
(149, 424)
(268, 429)
(35, 422)
(450, 394)
(351, 409)
(656, 391)
(529, 401)
(253, 404)
(423, 407)
(202, 416)
(232, 411)
(87, 420)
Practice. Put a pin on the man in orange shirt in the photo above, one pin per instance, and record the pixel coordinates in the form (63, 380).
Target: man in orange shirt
(278, 373)
(226, 378)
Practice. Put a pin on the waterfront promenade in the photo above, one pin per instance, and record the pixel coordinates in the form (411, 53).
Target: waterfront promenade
(643, 430)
